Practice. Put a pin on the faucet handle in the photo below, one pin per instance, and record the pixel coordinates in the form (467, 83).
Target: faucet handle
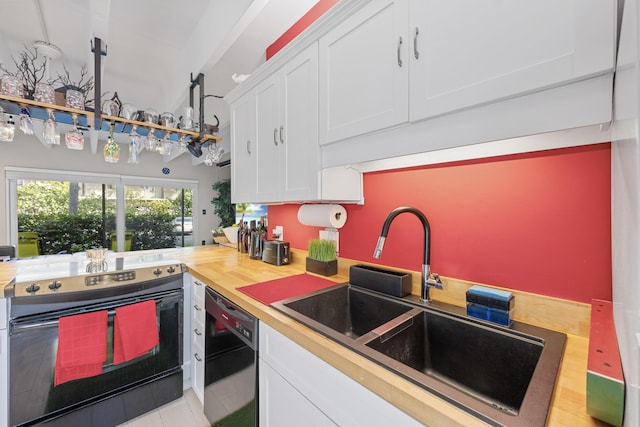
(436, 282)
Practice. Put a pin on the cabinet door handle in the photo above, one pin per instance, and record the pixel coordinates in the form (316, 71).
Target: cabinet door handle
(197, 283)
(197, 307)
(248, 147)
(197, 332)
(281, 134)
(399, 47)
(415, 44)
(198, 358)
(275, 136)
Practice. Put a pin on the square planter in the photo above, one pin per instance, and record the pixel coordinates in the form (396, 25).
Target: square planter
(325, 268)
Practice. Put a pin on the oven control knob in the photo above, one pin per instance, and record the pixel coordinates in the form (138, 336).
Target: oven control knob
(33, 288)
(157, 272)
(171, 270)
(55, 285)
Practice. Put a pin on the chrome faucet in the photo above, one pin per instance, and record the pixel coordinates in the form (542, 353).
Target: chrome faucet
(426, 280)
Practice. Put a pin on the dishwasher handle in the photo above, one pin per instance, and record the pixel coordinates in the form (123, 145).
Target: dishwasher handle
(231, 311)
(239, 322)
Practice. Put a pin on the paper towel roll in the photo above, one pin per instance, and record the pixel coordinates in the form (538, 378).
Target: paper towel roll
(333, 216)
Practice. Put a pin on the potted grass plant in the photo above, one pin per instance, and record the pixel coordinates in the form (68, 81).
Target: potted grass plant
(321, 257)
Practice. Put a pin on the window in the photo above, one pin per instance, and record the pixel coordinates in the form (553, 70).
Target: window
(52, 212)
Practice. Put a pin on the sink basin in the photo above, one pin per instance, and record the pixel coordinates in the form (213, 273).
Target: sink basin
(344, 309)
(489, 364)
(504, 376)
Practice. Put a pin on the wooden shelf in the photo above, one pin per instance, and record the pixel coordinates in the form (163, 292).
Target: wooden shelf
(40, 110)
(86, 119)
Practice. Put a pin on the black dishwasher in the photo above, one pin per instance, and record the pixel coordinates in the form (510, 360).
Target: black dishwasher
(231, 363)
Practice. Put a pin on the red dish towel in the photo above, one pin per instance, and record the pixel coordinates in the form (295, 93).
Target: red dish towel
(135, 331)
(82, 346)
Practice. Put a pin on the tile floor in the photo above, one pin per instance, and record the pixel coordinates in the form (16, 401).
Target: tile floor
(183, 412)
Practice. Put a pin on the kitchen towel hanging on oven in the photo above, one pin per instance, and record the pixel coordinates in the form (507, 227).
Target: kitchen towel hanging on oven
(82, 346)
(135, 331)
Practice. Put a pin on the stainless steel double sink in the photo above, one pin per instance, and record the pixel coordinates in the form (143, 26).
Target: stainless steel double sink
(504, 376)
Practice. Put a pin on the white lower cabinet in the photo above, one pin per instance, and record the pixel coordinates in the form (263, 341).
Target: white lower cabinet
(198, 319)
(298, 388)
(282, 405)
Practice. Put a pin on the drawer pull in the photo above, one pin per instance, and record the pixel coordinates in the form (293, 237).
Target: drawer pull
(198, 358)
(197, 332)
(197, 307)
(197, 283)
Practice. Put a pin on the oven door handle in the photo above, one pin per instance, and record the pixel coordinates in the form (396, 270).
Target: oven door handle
(42, 324)
(18, 327)
(33, 326)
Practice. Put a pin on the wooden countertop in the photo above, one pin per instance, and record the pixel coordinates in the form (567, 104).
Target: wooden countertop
(224, 270)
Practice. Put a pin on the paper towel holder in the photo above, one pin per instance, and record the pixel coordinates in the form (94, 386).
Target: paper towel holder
(331, 222)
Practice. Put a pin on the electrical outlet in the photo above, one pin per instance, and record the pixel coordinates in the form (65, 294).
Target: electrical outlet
(278, 232)
(331, 234)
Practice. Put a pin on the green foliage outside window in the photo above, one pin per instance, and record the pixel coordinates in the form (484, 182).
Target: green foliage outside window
(67, 223)
(71, 233)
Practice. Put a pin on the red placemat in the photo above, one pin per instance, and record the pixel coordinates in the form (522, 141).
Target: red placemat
(287, 287)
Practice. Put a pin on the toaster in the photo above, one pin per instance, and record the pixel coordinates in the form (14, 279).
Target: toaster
(275, 252)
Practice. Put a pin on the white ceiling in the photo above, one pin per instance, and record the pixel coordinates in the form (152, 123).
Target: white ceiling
(153, 45)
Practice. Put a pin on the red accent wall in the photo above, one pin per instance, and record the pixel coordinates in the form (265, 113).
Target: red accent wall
(314, 13)
(537, 222)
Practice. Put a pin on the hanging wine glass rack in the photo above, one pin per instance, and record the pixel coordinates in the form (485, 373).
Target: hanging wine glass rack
(86, 119)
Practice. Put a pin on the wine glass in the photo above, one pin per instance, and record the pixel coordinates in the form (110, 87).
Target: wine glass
(111, 148)
(135, 146)
(74, 138)
(50, 130)
(182, 142)
(166, 146)
(7, 128)
(26, 124)
(214, 154)
(152, 141)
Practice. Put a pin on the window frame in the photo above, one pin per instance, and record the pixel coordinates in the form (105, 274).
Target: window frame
(13, 174)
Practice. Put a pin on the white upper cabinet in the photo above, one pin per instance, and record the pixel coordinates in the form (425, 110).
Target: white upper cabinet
(364, 72)
(243, 147)
(274, 134)
(466, 53)
(287, 127)
(403, 77)
(399, 62)
(298, 134)
(268, 153)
